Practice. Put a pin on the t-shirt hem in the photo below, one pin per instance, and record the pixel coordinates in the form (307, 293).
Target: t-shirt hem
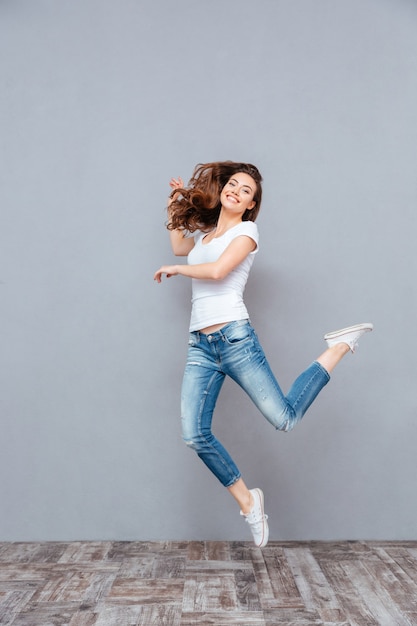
(193, 329)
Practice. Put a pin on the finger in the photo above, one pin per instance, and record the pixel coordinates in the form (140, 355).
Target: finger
(176, 183)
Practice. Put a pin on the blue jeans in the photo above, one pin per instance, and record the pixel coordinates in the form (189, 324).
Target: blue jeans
(236, 352)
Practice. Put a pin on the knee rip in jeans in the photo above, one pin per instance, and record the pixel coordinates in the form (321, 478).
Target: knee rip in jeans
(190, 444)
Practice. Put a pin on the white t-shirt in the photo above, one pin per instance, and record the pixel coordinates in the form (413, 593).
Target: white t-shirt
(213, 301)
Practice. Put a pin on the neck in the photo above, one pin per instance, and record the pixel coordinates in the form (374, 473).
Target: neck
(227, 221)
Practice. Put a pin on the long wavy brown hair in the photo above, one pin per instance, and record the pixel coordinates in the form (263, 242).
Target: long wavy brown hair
(197, 206)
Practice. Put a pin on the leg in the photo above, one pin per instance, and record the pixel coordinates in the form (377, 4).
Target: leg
(252, 509)
(242, 495)
(332, 356)
(201, 386)
(340, 342)
(202, 382)
(244, 360)
(247, 365)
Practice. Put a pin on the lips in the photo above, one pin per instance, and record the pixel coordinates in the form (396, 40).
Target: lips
(232, 198)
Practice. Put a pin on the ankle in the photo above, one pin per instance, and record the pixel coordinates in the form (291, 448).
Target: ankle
(248, 504)
(341, 348)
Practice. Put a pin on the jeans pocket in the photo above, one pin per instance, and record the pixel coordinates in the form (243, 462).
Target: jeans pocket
(192, 340)
(238, 334)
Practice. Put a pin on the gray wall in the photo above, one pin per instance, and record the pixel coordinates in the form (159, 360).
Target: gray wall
(101, 103)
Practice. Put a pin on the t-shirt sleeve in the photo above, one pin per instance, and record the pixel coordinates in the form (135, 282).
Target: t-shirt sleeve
(249, 229)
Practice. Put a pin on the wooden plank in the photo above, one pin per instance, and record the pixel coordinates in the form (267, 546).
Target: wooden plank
(21, 574)
(83, 618)
(168, 567)
(241, 550)
(86, 552)
(222, 619)
(196, 551)
(100, 584)
(208, 550)
(380, 604)
(149, 591)
(207, 592)
(20, 552)
(12, 603)
(354, 609)
(116, 616)
(65, 587)
(217, 566)
(158, 615)
(405, 557)
(246, 590)
(284, 588)
(218, 550)
(121, 550)
(263, 581)
(137, 567)
(49, 552)
(46, 614)
(397, 583)
(313, 586)
(293, 617)
(340, 551)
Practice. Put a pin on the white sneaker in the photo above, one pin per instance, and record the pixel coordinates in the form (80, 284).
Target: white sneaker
(257, 519)
(349, 335)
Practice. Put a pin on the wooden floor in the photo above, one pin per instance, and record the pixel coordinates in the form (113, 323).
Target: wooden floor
(222, 583)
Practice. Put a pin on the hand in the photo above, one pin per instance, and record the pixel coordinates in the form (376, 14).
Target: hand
(169, 270)
(174, 183)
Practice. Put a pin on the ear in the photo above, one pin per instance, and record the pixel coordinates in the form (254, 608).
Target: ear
(252, 205)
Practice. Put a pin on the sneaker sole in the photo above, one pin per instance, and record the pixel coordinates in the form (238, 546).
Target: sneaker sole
(350, 329)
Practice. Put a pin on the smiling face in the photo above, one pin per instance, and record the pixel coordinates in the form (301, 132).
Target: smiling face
(238, 193)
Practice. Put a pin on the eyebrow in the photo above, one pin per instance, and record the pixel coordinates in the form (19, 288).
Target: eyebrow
(236, 181)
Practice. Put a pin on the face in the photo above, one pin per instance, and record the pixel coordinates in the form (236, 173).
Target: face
(238, 193)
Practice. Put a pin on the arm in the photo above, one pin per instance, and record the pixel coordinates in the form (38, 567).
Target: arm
(235, 253)
(181, 245)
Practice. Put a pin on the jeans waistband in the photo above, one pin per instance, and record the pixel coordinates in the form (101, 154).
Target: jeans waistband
(219, 334)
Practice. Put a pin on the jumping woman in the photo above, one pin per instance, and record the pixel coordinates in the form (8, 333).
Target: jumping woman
(212, 222)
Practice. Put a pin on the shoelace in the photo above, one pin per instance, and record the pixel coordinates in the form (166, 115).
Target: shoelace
(259, 520)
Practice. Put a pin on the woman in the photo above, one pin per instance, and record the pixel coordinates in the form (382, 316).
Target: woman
(220, 205)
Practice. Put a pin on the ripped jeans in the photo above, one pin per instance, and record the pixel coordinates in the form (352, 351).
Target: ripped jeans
(236, 352)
